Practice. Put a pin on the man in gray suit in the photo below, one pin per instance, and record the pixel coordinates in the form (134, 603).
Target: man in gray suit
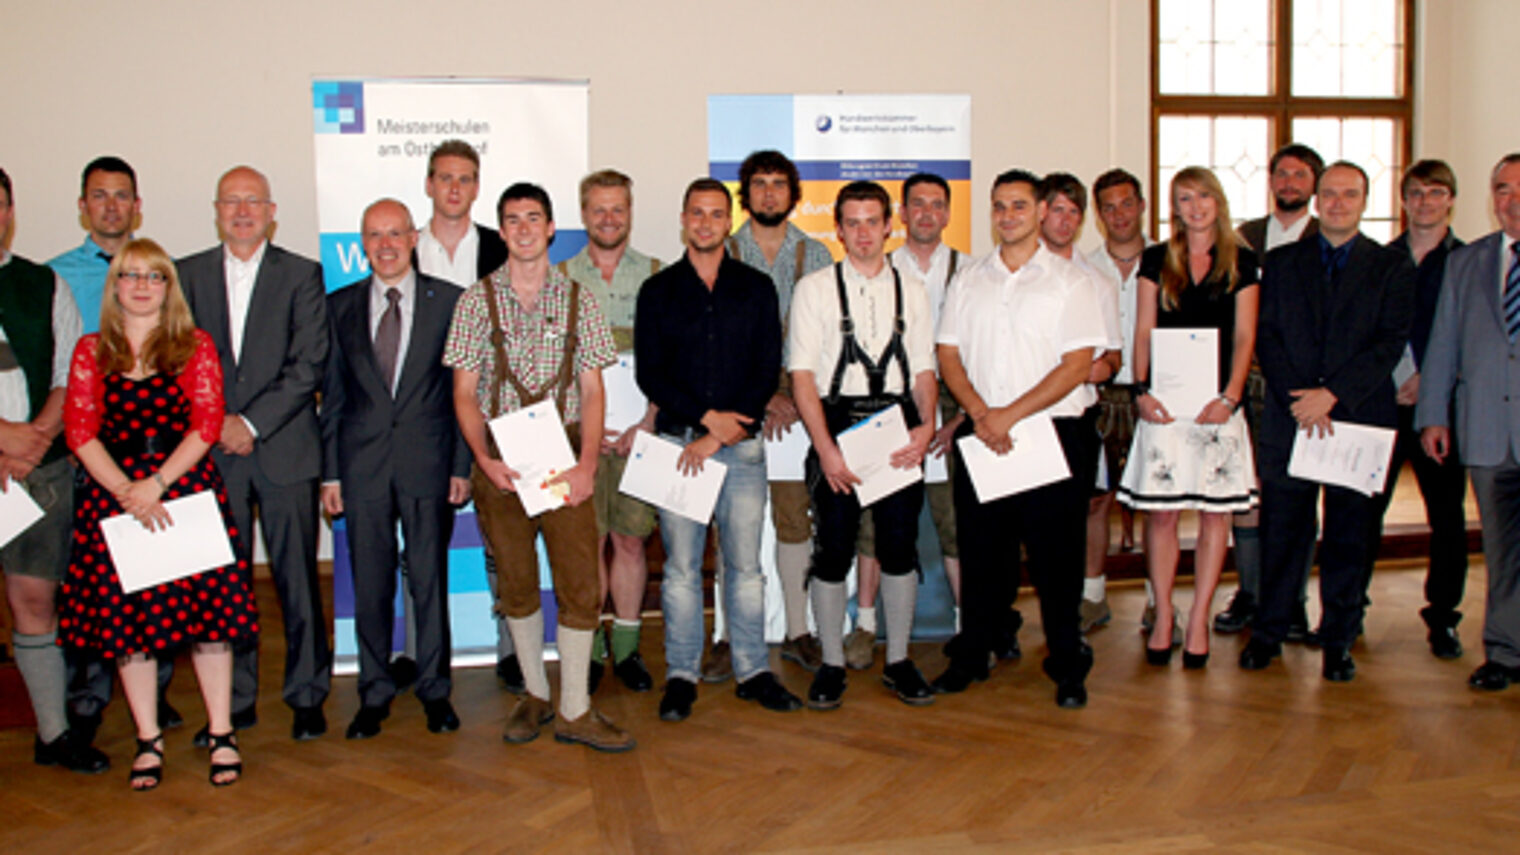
(391, 450)
(1472, 354)
(267, 312)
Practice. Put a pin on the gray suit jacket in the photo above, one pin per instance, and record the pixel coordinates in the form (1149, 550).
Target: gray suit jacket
(372, 441)
(1469, 356)
(273, 382)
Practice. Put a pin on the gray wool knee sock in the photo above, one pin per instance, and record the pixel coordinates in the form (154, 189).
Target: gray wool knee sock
(40, 660)
(899, 595)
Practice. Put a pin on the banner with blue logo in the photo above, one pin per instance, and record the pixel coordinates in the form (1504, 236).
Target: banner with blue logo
(373, 137)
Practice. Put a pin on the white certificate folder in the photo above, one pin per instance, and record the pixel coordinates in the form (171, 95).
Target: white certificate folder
(1355, 457)
(17, 511)
(1036, 459)
(653, 476)
(532, 442)
(1185, 370)
(867, 447)
(197, 541)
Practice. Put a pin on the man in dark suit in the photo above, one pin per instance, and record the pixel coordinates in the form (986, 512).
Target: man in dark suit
(391, 450)
(1471, 357)
(1335, 314)
(266, 310)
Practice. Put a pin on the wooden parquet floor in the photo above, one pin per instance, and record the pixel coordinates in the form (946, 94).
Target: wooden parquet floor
(1404, 759)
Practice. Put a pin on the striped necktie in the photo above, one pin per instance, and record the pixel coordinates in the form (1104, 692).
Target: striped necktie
(1512, 293)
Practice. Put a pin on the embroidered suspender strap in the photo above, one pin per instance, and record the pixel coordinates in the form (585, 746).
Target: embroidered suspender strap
(950, 274)
(654, 266)
(572, 343)
(525, 396)
(498, 346)
(801, 256)
(850, 350)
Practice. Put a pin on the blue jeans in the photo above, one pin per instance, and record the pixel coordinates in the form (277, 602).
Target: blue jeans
(740, 516)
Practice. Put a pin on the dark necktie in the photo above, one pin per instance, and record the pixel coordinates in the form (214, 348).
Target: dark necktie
(1512, 293)
(388, 337)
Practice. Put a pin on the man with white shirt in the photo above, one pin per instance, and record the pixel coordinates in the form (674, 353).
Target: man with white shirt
(1120, 205)
(39, 325)
(266, 310)
(1016, 341)
(1066, 207)
(859, 341)
(454, 248)
(925, 213)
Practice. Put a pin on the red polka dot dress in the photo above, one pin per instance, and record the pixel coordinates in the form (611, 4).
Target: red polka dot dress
(140, 422)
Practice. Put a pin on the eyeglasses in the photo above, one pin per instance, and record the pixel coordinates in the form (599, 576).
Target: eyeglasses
(235, 202)
(1433, 193)
(132, 277)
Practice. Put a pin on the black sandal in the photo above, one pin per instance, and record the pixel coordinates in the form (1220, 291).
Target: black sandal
(149, 778)
(225, 740)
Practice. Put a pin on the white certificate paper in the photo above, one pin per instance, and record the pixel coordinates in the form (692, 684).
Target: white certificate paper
(867, 447)
(1185, 370)
(17, 511)
(784, 457)
(937, 465)
(532, 441)
(625, 401)
(653, 476)
(197, 541)
(1036, 460)
(1355, 457)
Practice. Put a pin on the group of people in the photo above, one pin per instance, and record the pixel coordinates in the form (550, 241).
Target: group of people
(165, 379)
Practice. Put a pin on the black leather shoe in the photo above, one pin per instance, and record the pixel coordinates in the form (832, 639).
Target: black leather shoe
(403, 672)
(367, 722)
(168, 716)
(957, 677)
(1006, 646)
(1493, 677)
(1237, 615)
(679, 696)
(1071, 694)
(633, 673)
(309, 723)
(241, 720)
(71, 754)
(827, 691)
(1338, 665)
(83, 727)
(904, 679)
(509, 672)
(1444, 643)
(764, 689)
(441, 717)
(1298, 627)
(1259, 654)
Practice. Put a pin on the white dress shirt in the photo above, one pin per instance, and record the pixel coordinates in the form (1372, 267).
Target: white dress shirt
(408, 306)
(936, 278)
(1277, 235)
(241, 276)
(1100, 259)
(434, 260)
(814, 340)
(1013, 327)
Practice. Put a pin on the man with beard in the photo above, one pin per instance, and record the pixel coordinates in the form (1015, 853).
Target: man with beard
(769, 188)
(613, 271)
(1295, 170)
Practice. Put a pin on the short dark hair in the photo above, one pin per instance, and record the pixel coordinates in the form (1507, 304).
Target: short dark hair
(525, 190)
(706, 185)
(764, 161)
(918, 178)
(1299, 151)
(453, 148)
(1429, 171)
(862, 191)
(1116, 178)
(1064, 184)
(107, 163)
(5, 184)
(1017, 176)
(1345, 164)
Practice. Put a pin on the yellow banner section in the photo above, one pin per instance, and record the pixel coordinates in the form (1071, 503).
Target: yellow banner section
(814, 214)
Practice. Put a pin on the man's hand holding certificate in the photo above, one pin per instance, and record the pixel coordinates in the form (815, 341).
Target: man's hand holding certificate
(533, 445)
(1351, 455)
(1034, 459)
(655, 475)
(878, 452)
(1184, 371)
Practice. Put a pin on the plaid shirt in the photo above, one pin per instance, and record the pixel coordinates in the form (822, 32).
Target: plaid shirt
(535, 340)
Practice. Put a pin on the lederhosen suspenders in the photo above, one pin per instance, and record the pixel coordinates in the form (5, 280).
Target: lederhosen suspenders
(852, 408)
(562, 379)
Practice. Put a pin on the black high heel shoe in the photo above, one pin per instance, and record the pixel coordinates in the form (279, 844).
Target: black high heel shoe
(1160, 657)
(143, 780)
(1194, 661)
(220, 741)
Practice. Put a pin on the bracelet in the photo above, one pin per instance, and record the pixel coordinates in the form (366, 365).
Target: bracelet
(158, 478)
(1229, 402)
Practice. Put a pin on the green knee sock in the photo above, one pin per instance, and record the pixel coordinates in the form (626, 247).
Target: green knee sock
(625, 639)
(598, 644)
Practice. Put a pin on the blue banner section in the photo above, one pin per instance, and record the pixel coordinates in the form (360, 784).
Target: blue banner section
(860, 170)
(343, 261)
(740, 124)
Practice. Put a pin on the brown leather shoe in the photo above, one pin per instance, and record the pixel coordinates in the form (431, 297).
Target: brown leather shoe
(526, 718)
(718, 664)
(593, 730)
(860, 649)
(803, 650)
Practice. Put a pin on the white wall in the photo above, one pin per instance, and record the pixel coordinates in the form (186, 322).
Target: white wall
(185, 88)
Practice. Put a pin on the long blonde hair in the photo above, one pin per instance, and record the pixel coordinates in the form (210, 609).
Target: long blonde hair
(171, 344)
(1175, 274)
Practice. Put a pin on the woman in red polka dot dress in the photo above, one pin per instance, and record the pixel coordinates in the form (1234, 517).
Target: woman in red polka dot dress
(144, 406)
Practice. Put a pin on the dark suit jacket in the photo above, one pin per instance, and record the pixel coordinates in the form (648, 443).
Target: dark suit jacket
(1254, 233)
(370, 440)
(273, 382)
(1345, 337)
